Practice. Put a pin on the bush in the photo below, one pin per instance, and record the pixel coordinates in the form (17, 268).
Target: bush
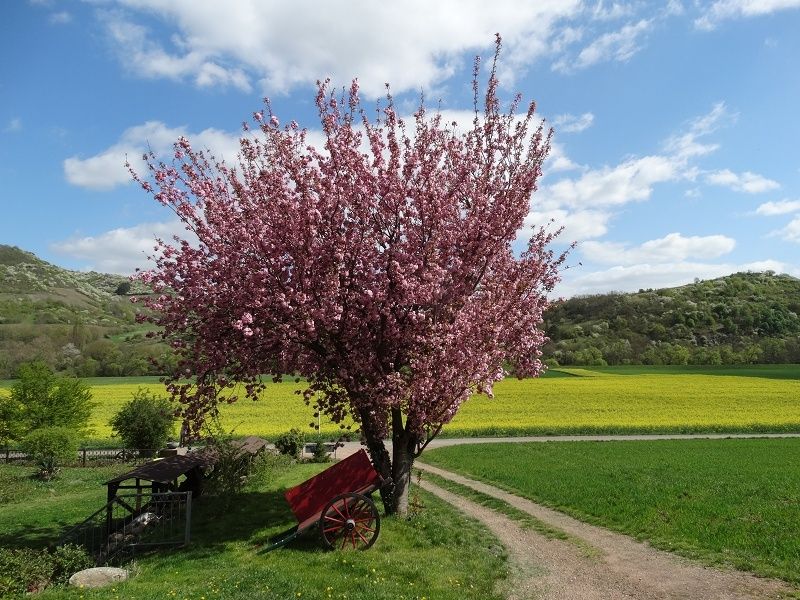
(291, 443)
(320, 453)
(50, 447)
(24, 571)
(10, 421)
(42, 399)
(146, 421)
(231, 467)
(68, 560)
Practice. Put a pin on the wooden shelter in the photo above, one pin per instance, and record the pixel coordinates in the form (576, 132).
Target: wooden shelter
(162, 475)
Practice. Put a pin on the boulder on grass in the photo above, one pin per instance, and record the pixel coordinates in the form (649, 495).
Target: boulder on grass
(98, 577)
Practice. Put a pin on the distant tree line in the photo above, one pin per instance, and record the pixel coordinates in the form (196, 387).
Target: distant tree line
(83, 351)
(745, 318)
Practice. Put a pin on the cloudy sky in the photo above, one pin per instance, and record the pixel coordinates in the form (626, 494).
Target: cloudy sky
(677, 127)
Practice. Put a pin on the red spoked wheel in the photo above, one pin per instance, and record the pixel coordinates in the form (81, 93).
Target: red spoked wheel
(350, 522)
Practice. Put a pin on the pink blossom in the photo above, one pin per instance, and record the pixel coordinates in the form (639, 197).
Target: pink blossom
(387, 278)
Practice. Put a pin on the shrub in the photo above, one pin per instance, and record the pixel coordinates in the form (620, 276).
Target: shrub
(24, 570)
(146, 421)
(231, 468)
(44, 400)
(50, 447)
(10, 421)
(291, 443)
(68, 560)
(320, 453)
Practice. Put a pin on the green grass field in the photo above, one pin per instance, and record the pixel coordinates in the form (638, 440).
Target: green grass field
(565, 401)
(437, 554)
(734, 502)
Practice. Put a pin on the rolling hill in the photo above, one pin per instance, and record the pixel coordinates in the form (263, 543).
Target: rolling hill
(74, 321)
(738, 319)
(84, 323)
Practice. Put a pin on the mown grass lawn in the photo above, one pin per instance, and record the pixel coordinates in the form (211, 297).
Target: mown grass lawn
(565, 401)
(735, 502)
(436, 554)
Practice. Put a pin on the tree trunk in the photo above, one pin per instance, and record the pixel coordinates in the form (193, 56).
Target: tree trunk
(404, 447)
(380, 459)
(398, 466)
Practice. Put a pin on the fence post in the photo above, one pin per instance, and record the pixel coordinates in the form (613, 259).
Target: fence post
(187, 535)
(83, 457)
(8, 452)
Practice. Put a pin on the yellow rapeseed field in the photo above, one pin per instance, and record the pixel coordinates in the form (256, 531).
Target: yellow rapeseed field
(588, 402)
(592, 402)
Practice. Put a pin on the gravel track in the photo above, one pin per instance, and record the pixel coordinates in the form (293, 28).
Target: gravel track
(621, 568)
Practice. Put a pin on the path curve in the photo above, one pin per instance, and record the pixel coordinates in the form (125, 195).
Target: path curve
(553, 569)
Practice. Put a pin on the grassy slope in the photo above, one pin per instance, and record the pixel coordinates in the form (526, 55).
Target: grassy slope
(726, 501)
(619, 400)
(438, 554)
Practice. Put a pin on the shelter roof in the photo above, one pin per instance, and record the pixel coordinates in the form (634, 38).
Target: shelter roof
(165, 470)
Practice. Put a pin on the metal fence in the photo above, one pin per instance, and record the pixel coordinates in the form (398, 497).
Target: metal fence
(131, 524)
(86, 457)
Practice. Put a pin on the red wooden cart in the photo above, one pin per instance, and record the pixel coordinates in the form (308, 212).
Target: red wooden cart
(337, 501)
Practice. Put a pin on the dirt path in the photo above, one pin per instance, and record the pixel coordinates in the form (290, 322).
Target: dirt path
(349, 448)
(621, 567)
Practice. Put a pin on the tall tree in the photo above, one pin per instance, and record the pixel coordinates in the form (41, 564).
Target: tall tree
(380, 267)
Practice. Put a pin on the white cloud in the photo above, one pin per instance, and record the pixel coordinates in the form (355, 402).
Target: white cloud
(747, 182)
(578, 225)
(558, 160)
(674, 8)
(687, 144)
(782, 207)
(13, 126)
(631, 180)
(106, 170)
(573, 124)
(672, 248)
(619, 46)
(148, 59)
(790, 233)
(121, 250)
(282, 45)
(609, 12)
(642, 276)
(585, 203)
(731, 9)
(60, 18)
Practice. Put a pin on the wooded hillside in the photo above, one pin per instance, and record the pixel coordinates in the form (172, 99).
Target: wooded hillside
(739, 319)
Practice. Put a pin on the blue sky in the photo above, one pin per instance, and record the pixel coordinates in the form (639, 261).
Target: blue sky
(675, 152)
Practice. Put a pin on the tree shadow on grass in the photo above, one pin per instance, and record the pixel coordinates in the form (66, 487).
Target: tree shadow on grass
(253, 518)
(27, 536)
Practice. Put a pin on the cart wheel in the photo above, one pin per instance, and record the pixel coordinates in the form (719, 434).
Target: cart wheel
(350, 521)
